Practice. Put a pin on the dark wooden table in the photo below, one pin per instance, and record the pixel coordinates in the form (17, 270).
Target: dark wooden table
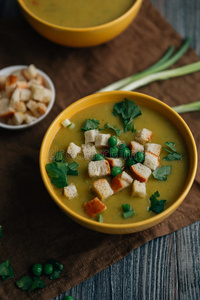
(168, 267)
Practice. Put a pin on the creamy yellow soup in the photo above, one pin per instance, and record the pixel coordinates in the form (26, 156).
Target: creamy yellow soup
(163, 131)
(79, 13)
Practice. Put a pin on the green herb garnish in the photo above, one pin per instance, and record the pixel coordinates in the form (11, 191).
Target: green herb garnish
(127, 211)
(57, 268)
(127, 110)
(59, 156)
(157, 206)
(162, 172)
(90, 124)
(108, 126)
(26, 283)
(6, 271)
(100, 218)
(58, 173)
(173, 155)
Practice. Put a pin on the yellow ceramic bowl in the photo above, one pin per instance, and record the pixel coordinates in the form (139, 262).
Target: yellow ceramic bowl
(81, 37)
(117, 96)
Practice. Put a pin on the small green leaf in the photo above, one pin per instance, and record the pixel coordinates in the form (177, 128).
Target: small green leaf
(127, 110)
(90, 124)
(58, 173)
(160, 173)
(173, 154)
(157, 206)
(37, 283)
(108, 126)
(6, 271)
(24, 283)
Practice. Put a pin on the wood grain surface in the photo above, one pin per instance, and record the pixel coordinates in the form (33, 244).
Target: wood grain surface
(168, 267)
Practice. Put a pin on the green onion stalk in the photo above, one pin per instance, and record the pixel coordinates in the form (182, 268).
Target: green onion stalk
(158, 72)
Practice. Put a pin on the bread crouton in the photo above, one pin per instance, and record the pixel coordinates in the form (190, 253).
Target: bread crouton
(126, 177)
(101, 140)
(20, 107)
(73, 150)
(89, 151)
(47, 95)
(116, 162)
(153, 148)
(18, 118)
(70, 191)
(90, 135)
(25, 94)
(140, 172)
(31, 105)
(135, 147)
(10, 84)
(15, 97)
(102, 188)
(37, 92)
(99, 168)
(138, 189)
(41, 109)
(143, 136)
(22, 84)
(29, 118)
(151, 160)
(94, 207)
(117, 184)
(30, 72)
(2, 82)
(20, 76)
(5, 110)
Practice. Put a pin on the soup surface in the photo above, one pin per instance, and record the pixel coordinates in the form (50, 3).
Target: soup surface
(79, 13)
(162, 130)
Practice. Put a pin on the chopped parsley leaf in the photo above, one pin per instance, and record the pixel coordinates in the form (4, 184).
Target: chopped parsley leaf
(157, 206)
(90, 124)
(160, 173)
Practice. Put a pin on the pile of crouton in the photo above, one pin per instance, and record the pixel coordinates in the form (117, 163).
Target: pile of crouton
(23, 96)
(138, 173)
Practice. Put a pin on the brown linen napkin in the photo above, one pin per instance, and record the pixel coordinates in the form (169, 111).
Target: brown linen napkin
(34, 228)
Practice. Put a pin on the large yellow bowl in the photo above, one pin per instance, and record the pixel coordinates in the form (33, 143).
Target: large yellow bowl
(117, 96)
(81, 37)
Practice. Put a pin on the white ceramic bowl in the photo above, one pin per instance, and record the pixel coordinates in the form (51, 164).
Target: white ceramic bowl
(48, 83)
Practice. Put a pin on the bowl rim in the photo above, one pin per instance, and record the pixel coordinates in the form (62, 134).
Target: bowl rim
(80, 29)
(143, 223)
(7, 71)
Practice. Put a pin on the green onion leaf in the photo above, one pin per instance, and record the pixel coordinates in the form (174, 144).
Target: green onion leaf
(128, 214)
(157, 206)
(90, 124)
(162, 172)
(73, 165)
(100, 218)
(189, 107)
(126, 207)
(72, 172)
(59, 156)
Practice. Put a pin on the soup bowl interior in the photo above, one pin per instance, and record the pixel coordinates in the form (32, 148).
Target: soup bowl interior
(81, 37)
(113, 97)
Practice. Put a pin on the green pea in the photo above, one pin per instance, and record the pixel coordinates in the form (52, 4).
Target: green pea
(98, 156)
(122, 145)
(125, 153)
(48, 269)
(139, 156)
(114, 151)
(130, 162)
(115, 171)
(37, 269)
(112, 141)
(68, 298)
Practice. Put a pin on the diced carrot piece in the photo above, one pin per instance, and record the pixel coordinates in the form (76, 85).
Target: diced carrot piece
(94, 207)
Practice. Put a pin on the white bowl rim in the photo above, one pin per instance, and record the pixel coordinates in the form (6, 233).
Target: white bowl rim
(6, 72)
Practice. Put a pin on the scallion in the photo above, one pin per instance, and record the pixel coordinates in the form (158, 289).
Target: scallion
(184, 108)
(165, 62)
